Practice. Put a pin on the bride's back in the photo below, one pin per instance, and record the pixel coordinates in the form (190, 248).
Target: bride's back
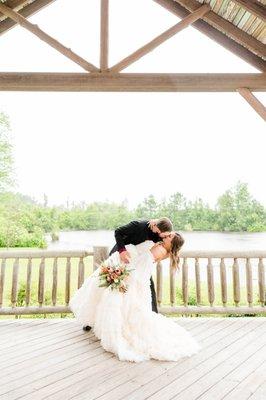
(159, 252)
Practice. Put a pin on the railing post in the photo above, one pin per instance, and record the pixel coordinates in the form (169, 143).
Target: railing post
(159, 283)
(100, 253)
(185, 281)
(261, 282)
(197, 277)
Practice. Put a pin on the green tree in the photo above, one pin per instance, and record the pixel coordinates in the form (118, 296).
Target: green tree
(148, 209)
(6, 159)
(239, 211)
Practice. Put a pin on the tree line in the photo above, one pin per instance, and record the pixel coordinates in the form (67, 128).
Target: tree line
(24, 222)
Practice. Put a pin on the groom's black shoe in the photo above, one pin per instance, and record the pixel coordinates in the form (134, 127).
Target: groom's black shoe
(86, 328)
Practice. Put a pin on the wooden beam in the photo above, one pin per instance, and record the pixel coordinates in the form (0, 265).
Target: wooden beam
(253, 101)
(202, 10)
(148, 82)
(25, 11)
(46, 38)
(254, 7)
(104, 35)
(227, 27)
(214, 34)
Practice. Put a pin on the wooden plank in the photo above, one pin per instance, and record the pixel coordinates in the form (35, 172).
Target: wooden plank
(26, 253)
(77, 383)
(68, 374)
(187, 21)
(104, 37)
(254, 7)
(18, 336)
(78, 82)
(49, 376)
(253, 101)
(18, 18)
(57, 363)
(44, 380)
(240, 383)
(223, 367)
(138, 384)
(180, 382)
(216, 35)
(229, 28)
(78, 386)
(60, 354)
(212, 310)
(40, 346)
(260, 393)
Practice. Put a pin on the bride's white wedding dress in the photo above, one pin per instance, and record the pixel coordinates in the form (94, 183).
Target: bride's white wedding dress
(125, 322)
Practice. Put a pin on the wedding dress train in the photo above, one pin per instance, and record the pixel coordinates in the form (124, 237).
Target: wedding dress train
(125, 322)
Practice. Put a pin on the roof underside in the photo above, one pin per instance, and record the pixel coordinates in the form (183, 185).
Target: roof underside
(249, 22)
(241, 22)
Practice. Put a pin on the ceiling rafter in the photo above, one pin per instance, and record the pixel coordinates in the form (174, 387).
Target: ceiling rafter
(216, 35)
(47, 38)
(228, 28)
(184, 23)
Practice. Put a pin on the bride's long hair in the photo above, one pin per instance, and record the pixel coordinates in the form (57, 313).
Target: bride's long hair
(176, 244)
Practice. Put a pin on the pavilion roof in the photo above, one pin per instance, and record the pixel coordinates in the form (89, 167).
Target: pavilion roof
(238, 25)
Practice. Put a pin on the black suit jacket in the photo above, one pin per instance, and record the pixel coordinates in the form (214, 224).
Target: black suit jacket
(133, 233)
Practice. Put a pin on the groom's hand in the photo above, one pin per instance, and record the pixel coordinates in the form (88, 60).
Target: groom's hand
(125, 257)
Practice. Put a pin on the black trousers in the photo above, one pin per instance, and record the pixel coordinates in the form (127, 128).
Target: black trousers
(153, 293)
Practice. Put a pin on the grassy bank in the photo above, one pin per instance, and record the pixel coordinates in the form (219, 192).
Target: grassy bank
(88, 271)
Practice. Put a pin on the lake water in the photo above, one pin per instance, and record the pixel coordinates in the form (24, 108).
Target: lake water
(193, 241)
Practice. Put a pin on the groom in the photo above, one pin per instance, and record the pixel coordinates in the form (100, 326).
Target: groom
(137, 232)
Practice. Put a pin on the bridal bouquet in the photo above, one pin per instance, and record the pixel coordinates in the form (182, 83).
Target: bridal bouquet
(113, 275)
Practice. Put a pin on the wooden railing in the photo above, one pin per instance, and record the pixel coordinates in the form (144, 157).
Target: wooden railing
(193, 263)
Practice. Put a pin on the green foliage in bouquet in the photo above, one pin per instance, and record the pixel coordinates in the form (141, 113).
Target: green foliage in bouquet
(113, 276)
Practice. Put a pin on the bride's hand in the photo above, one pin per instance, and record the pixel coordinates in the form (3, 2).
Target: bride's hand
(125, 257)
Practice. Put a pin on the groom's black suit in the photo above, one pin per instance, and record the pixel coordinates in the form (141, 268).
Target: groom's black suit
(134, 233)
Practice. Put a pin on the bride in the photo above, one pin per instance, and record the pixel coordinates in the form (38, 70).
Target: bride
(125, 322)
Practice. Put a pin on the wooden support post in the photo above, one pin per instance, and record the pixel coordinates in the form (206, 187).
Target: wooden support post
(15, 16)
(104, 35)
(100, 253)
(199, 13)
(253, 101)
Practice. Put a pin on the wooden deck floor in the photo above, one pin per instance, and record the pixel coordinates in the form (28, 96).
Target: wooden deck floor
(54, 359)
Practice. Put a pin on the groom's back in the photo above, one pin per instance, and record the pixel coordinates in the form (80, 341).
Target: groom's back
(135, 232)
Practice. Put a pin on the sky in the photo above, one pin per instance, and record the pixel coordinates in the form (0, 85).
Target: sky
(126, 146)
